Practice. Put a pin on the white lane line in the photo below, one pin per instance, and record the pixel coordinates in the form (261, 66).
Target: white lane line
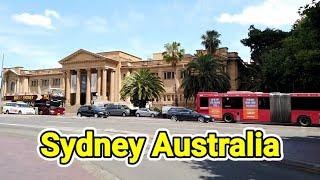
(72, 129)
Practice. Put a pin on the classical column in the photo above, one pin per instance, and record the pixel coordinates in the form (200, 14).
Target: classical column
(104, 84)
(112, 83)
(78, 93)
(88, 89)
(67, 81)
(98, 82)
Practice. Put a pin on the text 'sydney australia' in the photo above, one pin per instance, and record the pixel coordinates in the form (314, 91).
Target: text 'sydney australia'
(253, 145)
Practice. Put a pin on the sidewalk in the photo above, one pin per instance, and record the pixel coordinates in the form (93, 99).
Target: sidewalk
(302, 153)
(20, 159)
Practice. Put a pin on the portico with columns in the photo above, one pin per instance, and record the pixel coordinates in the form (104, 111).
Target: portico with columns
(89, 76)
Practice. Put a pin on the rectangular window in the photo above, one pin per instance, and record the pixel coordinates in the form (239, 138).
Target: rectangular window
(45, 82)
(264, 103)
(34, 83)
(56, 82)
(204, 102)
(168, 75)
(305, 103)
(169, 98)
(164, 98)
(232, 102)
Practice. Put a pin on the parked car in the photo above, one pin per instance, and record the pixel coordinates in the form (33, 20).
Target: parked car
(91, 111)
(164, 110)
(146, 112)
(49, 108)
(184, 114)
(17, 108)
(117, 110)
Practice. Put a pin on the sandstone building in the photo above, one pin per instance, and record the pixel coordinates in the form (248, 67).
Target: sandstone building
(85, 76)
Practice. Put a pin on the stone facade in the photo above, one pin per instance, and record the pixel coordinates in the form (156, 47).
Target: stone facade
(86, 76)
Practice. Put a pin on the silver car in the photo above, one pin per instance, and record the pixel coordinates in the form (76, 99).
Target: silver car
(146, 112)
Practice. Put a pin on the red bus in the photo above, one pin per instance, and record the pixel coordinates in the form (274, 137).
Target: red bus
(245, 106)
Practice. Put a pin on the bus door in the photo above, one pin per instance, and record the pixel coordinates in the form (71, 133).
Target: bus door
(280, 106)
(215, 107)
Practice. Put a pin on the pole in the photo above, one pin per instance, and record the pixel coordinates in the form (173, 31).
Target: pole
(1, 85)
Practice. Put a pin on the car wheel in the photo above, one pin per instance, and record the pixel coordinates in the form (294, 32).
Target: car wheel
(19, 112)
(174, 118)
(79, 115)
(228, 117)
(152, 115)
(138, 115)
(96, 115)
(304, 121)
(40, 112)
(7, 111)
(201, 119)
(124, 114)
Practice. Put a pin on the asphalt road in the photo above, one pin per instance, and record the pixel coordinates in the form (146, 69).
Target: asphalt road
(19, 160)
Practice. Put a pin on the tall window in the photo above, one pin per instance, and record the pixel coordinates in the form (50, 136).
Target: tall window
(168, 75)
(56, 82)
(12, 86)
(34, 83)
(45, 82)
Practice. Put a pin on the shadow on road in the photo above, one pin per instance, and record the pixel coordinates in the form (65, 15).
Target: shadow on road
(303, 149)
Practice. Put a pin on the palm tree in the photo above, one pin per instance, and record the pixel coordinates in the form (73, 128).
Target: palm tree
(205, 73)
(142, 86)
(211, 41)
(173, 54)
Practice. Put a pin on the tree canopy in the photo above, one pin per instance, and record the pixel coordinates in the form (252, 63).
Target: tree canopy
(142, 86)
(286, 61)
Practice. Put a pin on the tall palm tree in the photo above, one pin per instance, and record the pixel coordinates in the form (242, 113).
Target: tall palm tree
(142, 86)
(173, 54)
(211, 41)
(205, 73)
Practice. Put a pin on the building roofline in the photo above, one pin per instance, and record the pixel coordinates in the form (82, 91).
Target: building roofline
(121, 52)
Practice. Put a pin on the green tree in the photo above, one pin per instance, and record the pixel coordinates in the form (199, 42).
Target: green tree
(142, 86)
(205, 73)
(174, 54)
(211, 41)
(260, 41)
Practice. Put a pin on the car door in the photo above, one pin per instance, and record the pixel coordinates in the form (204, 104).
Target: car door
(143, 112)
(112, 109)
(90, 111)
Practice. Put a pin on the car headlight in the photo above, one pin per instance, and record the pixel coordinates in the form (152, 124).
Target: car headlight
(206, 116)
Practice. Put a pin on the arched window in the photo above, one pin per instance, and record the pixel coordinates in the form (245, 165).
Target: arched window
(12, 86)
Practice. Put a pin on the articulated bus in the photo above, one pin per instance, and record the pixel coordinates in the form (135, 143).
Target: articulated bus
(245, 106)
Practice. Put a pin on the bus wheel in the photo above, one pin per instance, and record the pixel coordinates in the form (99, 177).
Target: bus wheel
(304, 121)
(228, 117)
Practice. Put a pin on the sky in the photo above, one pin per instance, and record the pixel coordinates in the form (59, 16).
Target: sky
(37, 34)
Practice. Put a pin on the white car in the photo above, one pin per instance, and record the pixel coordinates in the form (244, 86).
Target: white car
(17, 108)
(146, 112)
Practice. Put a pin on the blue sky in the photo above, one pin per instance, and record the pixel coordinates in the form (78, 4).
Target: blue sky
(37, 34)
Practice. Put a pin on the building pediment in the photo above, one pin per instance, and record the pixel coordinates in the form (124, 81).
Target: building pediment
(83, 56)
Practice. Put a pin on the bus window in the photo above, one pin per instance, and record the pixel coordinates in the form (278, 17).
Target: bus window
(204, 101)
(232, 102)
(264, 102)
(305, 103)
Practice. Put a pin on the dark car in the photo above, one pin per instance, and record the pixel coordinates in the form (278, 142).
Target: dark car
(183, 114)
(91, 111)
(117, 110)
(46, 107)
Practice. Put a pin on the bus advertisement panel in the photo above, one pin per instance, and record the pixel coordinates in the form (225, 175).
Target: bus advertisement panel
(250, 108)
(215, 107)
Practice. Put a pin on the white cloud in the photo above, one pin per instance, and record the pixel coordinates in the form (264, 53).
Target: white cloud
(37, 19)
(270, 13)
(97, 24)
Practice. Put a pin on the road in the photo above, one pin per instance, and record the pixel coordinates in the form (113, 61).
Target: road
(19, 159)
